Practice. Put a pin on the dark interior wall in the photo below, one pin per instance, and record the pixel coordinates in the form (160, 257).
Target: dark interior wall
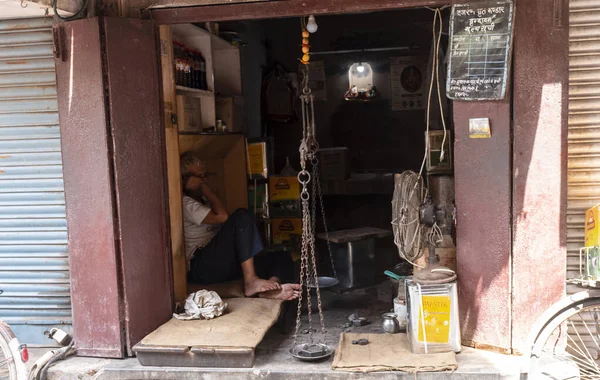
(377, 137)
(253, 55)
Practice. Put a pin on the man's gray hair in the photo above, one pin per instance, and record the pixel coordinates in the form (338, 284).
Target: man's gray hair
(188, 159)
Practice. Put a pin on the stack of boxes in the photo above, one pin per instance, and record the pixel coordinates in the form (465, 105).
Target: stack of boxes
(273, 200)
(286, 209)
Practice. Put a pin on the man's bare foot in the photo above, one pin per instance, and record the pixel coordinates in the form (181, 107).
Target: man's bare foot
(287, 292)
(258, 285)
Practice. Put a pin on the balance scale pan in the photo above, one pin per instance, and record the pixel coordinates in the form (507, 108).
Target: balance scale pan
(325, 282)
(311, 352)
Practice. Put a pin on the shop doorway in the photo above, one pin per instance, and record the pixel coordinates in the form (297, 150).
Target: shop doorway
(238, 82)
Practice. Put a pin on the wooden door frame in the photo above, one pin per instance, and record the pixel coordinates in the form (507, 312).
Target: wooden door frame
(180, 11)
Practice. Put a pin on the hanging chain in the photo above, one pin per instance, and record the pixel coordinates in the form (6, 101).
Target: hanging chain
(316, 280)
(304, 179)
(317, 184)
(308, 263)
(309, 275)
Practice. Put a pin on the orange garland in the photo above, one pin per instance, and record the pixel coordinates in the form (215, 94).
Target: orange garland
(305, 48)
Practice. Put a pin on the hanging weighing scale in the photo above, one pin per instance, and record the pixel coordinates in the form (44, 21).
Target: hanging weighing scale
(309, 278)
(309, 148)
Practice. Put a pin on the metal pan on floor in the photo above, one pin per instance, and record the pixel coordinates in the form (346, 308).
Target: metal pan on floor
(325, 282)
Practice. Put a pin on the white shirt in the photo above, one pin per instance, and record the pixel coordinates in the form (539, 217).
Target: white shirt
(197, 234)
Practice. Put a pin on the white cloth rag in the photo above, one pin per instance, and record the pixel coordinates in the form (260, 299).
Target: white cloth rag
(202, 304)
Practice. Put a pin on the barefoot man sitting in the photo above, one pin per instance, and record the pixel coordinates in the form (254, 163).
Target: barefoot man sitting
(222, 247)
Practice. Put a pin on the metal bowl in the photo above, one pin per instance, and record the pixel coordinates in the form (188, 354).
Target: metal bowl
(311, 351)
(325, 282)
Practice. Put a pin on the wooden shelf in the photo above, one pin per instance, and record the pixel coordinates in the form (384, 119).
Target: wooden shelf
(223, 76)
(187, 91)
(211, 133)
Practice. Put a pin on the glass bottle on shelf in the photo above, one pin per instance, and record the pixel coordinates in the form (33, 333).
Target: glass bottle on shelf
(196, 70)
(192, 59)
(202, 80)
(187, 66)
(177, 62)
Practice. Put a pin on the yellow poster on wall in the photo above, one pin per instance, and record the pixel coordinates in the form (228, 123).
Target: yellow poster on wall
(435, 312)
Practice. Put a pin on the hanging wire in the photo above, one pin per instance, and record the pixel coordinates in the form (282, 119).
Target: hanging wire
(440, 9)
(409, 194)
(434, 75)
(438, 14)
(409, 189)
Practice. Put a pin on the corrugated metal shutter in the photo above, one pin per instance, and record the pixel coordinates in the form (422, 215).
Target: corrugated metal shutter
(34, 264)
(584, 124)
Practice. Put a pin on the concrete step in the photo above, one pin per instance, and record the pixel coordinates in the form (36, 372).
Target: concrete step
(278, 365)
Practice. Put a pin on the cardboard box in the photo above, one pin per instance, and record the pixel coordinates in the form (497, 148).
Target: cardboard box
(286, 208)
(230, 109)
(189, 114)
(225, 158)
(284, 188)
(592, 226)
(257, 160)
(286, 230)
(334, 163)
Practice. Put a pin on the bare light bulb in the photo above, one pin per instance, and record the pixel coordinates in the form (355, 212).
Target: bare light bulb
(360, 68)
(312, 26)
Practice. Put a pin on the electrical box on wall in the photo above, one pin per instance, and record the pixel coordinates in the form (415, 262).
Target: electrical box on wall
(436, 162)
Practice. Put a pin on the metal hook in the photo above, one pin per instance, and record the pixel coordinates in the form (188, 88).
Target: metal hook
(305, 86)
(25, 6)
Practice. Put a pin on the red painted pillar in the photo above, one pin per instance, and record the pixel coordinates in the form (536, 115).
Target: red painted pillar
(541, 67)
(115, 183)
(511, 189)
(483, 196)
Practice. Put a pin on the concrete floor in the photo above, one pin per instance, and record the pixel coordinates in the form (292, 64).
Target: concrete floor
(274, 362)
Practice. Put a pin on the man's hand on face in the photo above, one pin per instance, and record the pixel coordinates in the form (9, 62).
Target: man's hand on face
(195, 182)
(197, 179)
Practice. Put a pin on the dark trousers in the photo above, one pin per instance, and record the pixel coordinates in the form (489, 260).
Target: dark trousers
(220, 260)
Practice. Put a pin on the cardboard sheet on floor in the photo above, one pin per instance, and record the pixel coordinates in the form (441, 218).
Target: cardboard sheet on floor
(227, 341)
(387, 352)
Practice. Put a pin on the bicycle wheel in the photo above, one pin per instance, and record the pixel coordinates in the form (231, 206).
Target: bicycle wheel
(567, 346)
(8, 369)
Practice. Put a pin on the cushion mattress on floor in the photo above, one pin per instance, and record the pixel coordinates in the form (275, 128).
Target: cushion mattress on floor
(226, 341)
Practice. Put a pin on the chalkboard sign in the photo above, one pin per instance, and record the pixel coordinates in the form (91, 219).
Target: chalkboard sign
(480, 50)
